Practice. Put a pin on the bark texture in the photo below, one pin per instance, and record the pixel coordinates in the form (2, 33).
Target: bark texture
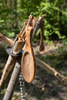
(6, 40)
(52, 71)
(13, 80)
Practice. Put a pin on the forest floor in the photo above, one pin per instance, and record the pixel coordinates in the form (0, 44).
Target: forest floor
(44, 86)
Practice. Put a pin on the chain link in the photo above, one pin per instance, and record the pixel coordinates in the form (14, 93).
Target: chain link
(22, 87)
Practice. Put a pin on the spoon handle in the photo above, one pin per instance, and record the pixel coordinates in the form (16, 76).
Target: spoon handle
(42, 47)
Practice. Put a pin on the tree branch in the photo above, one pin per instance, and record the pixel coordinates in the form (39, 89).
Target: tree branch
(13, 80)
(6, 40)
(52, 71)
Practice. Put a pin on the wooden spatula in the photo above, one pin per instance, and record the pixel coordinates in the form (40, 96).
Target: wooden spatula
(28, 65)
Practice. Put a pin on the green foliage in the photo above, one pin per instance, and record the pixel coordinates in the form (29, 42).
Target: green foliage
(52, 19)
(13, 16)
(7, 20)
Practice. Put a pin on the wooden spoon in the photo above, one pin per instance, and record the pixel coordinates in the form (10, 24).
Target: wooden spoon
(28, 65)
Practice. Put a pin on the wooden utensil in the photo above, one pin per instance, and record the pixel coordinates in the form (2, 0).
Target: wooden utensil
(42, 47)
(28, 65)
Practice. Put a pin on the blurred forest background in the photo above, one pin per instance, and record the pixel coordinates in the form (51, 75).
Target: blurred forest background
(13, 13)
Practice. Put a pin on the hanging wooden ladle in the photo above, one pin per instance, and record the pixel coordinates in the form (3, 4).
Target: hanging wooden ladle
(28, 65)
(42, 47)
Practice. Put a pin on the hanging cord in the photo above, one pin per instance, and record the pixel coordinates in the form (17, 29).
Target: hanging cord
(22, 86)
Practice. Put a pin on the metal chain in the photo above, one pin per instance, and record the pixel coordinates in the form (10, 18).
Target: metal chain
(22, 86)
